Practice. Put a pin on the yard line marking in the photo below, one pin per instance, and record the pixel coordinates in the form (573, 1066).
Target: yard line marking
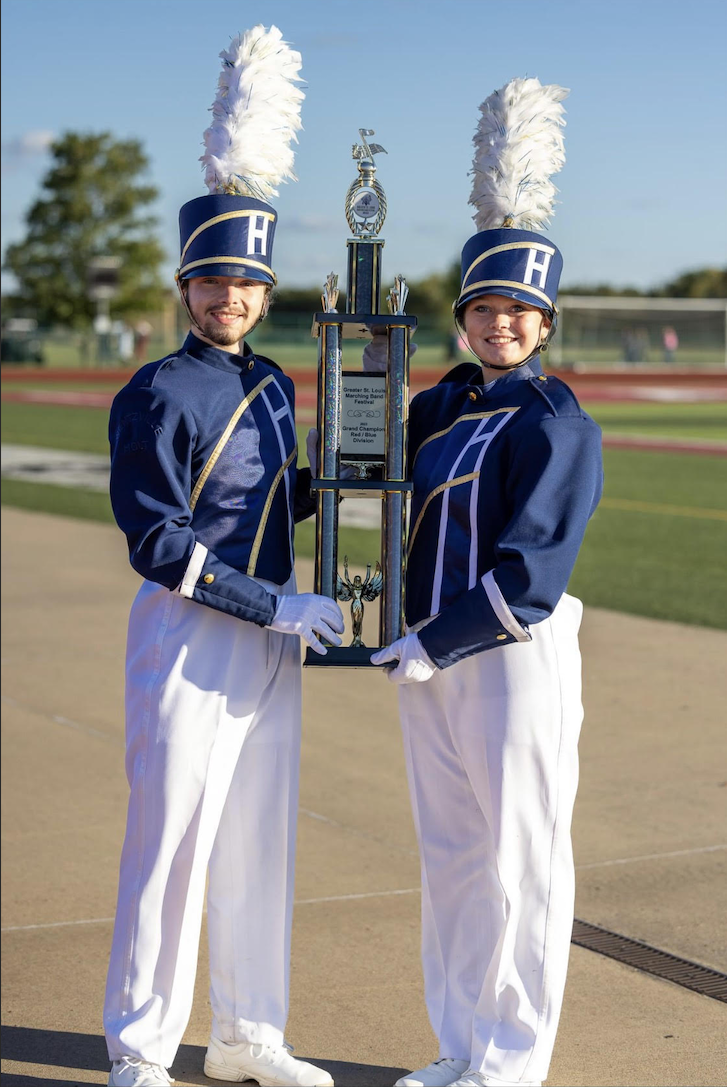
(385, 894)
(658, 507)
(66, 722)
(349, 898)
(298, 902)
(57, 924)
(358, 833)
(651, 857)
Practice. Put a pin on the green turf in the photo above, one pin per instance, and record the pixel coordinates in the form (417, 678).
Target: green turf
(84, 429)
(64, 501)
(676, 479)
(647, 560)
(64, 351)
(664, 565)
(700, 420)
(655, 565)
(81, 430)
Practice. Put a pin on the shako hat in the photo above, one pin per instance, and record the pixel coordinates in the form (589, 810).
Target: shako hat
(518, 146)
(255, 116)
(227, 235)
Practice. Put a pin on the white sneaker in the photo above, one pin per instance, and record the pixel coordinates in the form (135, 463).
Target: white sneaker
(479, 1079)
(437, 1074)
(133, 1072)
(271, 1066)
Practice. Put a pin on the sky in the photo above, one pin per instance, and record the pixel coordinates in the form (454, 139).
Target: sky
(642, 196)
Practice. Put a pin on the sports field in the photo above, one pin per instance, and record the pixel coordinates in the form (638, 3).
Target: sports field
(655, 547)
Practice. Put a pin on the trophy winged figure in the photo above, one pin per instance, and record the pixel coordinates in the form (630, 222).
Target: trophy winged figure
(357, 591)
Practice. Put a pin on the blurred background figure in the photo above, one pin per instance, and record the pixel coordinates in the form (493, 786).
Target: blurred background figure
(142, 334)
(670, 343)
(124, 341)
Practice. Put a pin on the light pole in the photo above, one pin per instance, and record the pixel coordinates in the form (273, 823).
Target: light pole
(103, 285)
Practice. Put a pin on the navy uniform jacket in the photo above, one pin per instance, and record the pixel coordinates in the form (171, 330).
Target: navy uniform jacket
(505, 477)
(203, 476)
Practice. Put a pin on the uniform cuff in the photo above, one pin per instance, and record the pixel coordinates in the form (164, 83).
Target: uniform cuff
(193, 571)
(501, 610)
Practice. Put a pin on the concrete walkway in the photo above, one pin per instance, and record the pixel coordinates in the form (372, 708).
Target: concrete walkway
(649, 834)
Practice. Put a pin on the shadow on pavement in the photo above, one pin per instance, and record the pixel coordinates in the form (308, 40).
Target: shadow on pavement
(64, 1049)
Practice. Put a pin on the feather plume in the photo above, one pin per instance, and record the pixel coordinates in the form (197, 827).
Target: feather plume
(255, 116)
(518, 145)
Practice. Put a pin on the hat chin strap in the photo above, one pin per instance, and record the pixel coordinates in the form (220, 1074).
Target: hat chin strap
(185, 304)
(193, 320)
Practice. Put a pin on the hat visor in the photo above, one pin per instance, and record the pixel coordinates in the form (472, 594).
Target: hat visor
(233, 271)
(522, 294)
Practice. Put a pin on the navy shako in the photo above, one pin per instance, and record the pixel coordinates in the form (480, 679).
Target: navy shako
(518, 147)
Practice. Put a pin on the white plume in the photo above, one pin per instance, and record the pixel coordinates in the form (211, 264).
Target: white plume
(255, 116)
(518, 145)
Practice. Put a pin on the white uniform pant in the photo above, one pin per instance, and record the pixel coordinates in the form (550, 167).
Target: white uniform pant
(492, 762)
(213, 751)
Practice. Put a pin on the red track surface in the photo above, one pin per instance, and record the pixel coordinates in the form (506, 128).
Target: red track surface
(665, 386)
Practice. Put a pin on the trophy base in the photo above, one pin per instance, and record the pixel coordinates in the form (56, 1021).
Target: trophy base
(344, 656)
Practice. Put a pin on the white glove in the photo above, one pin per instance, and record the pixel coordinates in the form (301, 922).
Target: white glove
(375, 352)
(307, 614)
(414, 664)
(311, 448)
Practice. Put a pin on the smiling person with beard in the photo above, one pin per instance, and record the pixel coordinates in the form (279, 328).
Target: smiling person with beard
(206, 488)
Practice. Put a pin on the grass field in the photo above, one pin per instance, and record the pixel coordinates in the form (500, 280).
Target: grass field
(63, 350)
(655, 547)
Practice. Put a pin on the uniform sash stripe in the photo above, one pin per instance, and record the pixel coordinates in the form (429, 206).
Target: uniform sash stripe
(474, 501)
(438, 490)
(461, 419)
(276, 416)
(479, 435)
(266, 513)
(214, 455)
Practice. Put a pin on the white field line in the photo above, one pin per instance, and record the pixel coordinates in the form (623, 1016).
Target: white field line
(388, 894)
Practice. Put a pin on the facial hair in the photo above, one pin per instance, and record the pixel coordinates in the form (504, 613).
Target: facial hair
(222, 334)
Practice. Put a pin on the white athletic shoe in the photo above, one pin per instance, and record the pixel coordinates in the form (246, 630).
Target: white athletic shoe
(133, 1072)
(271, 1066)
(479, 1079)
(437, 1074)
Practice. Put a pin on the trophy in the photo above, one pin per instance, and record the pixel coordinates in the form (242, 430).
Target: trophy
(362, 421)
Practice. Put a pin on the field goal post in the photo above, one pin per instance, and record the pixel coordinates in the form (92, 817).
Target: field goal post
(623, 330)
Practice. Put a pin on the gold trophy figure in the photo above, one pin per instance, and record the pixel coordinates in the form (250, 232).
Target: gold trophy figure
(357, 591)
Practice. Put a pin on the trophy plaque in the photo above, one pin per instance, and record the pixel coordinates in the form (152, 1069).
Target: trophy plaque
(362, 422)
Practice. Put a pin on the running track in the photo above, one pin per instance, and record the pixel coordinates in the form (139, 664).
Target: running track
(664, 387)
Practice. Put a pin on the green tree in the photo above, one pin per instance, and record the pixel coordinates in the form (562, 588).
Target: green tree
(702, 283)
(93, 205)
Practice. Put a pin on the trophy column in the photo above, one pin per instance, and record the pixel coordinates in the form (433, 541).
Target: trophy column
(362, 423)
(329, 441)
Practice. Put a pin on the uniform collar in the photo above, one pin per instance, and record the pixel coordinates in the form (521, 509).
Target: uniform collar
(470, 374)
(527, 372)
(215, 356)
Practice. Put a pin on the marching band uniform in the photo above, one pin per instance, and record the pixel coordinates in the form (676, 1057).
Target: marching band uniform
(205, 486)
(505, 480)
(506, 474)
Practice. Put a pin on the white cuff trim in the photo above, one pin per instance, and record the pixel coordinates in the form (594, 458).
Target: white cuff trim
(193, 571)
(501, 610)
